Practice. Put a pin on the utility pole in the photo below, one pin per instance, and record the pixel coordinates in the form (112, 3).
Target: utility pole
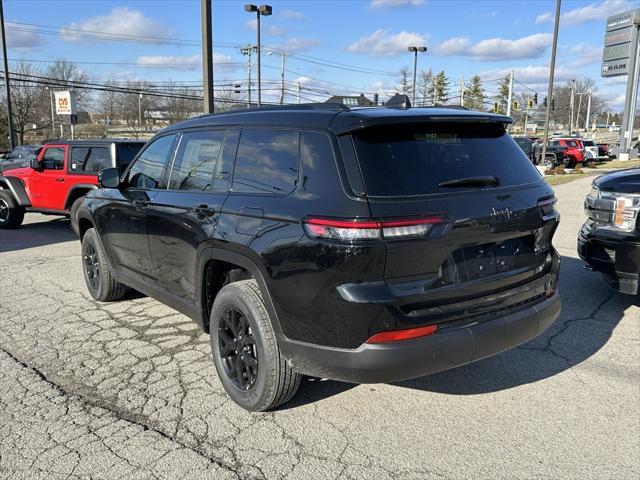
(207, 56)
(247, 50)
(586, 121)
(571, 104)
(283, 57)
(510, 94)
(462, 91)
(298, 90)
(6, 79)
(556, 23)
(53, 122)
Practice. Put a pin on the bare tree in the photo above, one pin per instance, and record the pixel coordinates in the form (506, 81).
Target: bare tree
(404, 82)
(425, 87)
(29, 100)
(67, 73)
(180, 105)
(108, 103)
(135, 106)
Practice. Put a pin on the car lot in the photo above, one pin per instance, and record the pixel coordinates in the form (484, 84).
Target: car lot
(127, 390)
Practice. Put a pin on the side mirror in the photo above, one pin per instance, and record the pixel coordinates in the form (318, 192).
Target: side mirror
(109, 178)
(35, 164)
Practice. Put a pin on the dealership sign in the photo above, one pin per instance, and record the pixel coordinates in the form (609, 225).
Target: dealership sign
(65, 103)
(620, 44)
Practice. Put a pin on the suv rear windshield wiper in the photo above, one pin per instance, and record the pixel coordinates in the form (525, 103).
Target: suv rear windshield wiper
(482, 181)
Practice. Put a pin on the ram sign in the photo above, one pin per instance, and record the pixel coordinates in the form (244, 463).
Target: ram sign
(620, 43)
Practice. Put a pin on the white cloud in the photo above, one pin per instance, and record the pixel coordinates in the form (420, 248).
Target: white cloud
(585, 54)
(376, 4)
(490, 49)
(544, 17)
(294, 44)
(593, 12)
(535, 76)
(188, 62)
(291, 14)
(22, 37)
(380, 43)
(120, 21)
(273, 30)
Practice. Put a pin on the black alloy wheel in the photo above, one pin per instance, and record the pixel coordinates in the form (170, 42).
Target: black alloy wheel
(238, 351)
(91, 265)
(4, 210)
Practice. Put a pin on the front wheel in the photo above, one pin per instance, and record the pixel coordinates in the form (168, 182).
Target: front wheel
(101, 283)
(245, 351)
(11, 214)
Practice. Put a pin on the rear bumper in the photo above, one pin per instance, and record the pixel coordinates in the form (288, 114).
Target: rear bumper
(447, 348)
(619, 260)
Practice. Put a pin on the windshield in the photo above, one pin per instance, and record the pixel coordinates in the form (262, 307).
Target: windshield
(409, 160)
(588, 143)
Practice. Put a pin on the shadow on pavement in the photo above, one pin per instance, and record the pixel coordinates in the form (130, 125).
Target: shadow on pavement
(37, 234)
(590, 313)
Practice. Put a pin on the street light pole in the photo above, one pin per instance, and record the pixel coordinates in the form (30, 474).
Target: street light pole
(6, 79)
(415, 51)
(284, 57)
(207, 56)
(262, 10)
(53, 123)
(552, 68)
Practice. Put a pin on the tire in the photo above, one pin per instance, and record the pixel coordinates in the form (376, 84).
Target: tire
(11, 214)
(73, 214)
(239, 318)
(95, 267)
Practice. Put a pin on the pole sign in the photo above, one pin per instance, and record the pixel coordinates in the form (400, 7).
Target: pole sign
(620, 39)
(65, 103)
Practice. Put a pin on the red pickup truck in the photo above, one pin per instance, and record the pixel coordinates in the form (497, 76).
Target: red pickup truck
(58, 179)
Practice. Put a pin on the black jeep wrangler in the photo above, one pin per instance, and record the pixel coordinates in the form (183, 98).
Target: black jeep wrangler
(363, 244)
(609, 241)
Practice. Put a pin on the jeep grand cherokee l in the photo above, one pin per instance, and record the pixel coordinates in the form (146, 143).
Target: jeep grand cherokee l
(609, 241)
(363, 245)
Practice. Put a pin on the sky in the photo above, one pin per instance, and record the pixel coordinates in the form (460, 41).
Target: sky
(332, 46)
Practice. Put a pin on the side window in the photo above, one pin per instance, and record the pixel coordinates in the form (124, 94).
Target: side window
(53, 158)
(267, 161)
(148, 170)
(317, 162)
(196, 160)
(89, 159)
(222, 171)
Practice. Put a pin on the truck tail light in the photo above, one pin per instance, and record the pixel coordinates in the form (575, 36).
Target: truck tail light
(399, 335)
(357, 230)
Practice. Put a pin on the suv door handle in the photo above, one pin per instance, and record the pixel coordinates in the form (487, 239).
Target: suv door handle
(60, 179)
(204, 210)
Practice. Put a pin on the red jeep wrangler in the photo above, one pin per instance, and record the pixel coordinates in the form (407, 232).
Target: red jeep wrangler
(56, 182)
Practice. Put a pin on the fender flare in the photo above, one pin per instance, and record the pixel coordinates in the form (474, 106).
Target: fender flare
(248, 264)
(71, 195)
(16, 187)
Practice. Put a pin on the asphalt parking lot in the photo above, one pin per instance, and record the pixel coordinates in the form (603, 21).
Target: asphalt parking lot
(127, 390)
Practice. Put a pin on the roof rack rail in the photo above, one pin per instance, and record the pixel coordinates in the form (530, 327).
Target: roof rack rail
(335, 107)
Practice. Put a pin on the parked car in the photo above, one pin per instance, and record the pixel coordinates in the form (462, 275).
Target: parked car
(571, 148)
(57, 180)
(590, 150)
(603, 149)
(609, 241)
(20, 156)
(362, 245)
(527, 146)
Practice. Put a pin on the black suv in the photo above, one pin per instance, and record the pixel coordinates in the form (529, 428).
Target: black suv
(609, 241)
(363, 245)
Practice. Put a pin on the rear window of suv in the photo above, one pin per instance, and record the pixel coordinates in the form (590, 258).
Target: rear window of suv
(410, 160)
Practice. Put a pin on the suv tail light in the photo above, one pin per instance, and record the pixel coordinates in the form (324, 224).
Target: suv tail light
(357, 230)
(399, 335)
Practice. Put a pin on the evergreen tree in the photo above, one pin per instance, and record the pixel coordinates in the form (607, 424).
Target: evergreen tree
(475, 97)
(503, 95)
(440, 88)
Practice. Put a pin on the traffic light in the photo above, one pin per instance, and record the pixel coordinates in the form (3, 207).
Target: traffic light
(495, 107)
(515, 105)
(553, 104)
(535, 98)
(545, 101)
(529, 104)
(236, 88)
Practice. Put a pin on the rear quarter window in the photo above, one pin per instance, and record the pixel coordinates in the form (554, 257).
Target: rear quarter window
(412, 160)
